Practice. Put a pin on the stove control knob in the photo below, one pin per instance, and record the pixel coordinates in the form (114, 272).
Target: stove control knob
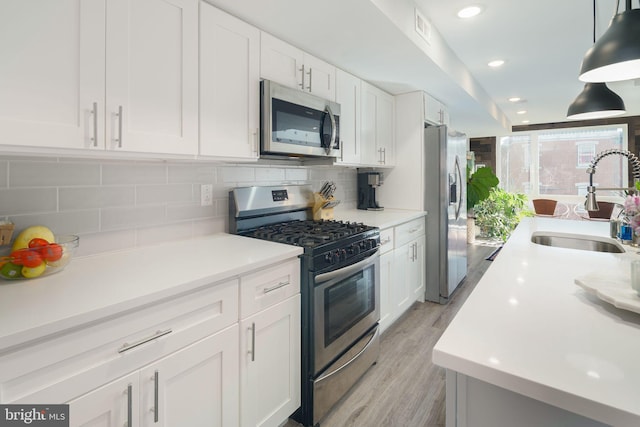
(329, 258)
(343, 254)
(354, 249)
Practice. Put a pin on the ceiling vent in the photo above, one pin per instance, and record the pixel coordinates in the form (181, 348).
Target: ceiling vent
(423, 26)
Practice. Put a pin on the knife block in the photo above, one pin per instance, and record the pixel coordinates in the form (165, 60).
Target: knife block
(320, 213)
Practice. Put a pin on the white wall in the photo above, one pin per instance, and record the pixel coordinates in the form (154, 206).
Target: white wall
(118, 204)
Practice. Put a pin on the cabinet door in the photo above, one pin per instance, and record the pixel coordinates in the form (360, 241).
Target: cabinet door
(280, 61)
(432, 110)
(196, 386)
(229, 85)
(270, 364)
(387, 282)
(385, 141)
(348, 96)
(152, 76)
(368, 125)
(319, 77)
(52, 72)
(418, 270)
(402, 292)
(108, 406)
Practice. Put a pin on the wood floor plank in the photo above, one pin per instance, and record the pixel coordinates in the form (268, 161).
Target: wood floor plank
(404, 388)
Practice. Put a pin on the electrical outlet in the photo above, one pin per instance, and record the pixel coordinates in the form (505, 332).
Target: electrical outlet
(206, 195)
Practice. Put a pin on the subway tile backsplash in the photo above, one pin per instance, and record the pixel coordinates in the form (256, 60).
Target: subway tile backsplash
(119, 204)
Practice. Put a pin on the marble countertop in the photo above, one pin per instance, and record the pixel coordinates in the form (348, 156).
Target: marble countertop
(527, 327)
(93, 287)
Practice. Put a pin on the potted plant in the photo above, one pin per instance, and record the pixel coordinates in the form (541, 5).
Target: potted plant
(499, 214)
(479, 185)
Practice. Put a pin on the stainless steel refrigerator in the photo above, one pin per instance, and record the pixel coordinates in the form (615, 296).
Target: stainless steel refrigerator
(445, 199)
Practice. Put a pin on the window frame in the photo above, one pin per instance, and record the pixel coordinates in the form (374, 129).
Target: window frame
(534, 156)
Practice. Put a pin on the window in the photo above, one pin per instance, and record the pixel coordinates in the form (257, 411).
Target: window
(586, 153)
(554, 162)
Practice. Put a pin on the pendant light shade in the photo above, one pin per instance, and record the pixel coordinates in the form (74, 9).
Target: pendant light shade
(616, 54)
(596, 101)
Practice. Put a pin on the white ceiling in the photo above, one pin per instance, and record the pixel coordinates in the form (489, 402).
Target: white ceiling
(542, 42)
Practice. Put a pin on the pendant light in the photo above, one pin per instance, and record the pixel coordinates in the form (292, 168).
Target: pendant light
(596, 100)
(616, 55)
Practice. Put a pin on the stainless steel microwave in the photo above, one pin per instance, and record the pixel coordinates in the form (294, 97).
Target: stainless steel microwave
(297, 123)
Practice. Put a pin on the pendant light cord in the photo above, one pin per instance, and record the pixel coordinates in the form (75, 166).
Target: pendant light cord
(594, 21)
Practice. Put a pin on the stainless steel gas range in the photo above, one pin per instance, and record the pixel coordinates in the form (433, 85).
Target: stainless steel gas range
(340, 288)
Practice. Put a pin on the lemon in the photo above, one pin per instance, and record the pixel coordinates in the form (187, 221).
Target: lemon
(29, 233)
(31, 272)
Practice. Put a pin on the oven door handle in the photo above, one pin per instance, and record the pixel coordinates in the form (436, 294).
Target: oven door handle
(325, 277)
(354, 358)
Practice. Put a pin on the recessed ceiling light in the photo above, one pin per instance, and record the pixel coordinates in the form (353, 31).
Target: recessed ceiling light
(526, 121)
(521, 112)
(469, 11)
(515, 99)
(496, 63)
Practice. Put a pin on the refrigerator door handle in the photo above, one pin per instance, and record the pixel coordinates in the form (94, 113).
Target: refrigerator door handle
(453, 189)
(459, 207)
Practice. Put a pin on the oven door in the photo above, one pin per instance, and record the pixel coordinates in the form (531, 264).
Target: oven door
(295, 122)
(346, 305)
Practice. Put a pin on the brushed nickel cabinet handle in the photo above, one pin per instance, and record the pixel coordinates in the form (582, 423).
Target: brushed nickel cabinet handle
(156, 399)
(158, 334)
(310, 77)
(119, 114)
(130, 405)
(301, 84)
(94, 113)
(253, 341)
(278, 286)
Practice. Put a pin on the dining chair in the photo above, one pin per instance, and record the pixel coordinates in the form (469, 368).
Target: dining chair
(544, 206)
(605, 209)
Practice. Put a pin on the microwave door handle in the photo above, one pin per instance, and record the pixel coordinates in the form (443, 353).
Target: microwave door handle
(333, 129)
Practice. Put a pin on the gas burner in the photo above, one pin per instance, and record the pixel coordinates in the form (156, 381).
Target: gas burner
(308, 233)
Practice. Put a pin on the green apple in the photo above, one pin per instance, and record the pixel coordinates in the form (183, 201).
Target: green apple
(11, 271)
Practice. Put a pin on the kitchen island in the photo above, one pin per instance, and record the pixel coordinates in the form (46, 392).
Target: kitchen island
(531, 348)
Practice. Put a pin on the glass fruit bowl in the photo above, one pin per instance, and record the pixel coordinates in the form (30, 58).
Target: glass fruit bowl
(42, 258)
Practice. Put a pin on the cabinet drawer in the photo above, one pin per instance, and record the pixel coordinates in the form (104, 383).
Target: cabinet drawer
(409, 231)
(101, 351)
(386, 240)
(265, 288)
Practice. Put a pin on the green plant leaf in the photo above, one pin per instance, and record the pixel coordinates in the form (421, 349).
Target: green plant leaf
(479, 185)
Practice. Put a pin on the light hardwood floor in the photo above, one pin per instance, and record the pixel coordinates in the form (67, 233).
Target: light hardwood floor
(404, 388)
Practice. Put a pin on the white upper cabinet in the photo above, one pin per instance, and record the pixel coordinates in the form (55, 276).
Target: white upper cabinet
(78, 74)
(229, 85)
(290, 66)
(152, 76)
(348, 96)
(377, 127)
(52, 73)
(435, 112)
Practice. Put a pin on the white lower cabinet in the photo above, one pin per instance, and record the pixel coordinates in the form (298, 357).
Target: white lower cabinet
(270, 364)
(225, 355)
(402, 269)
(196, 386)
(107, 406)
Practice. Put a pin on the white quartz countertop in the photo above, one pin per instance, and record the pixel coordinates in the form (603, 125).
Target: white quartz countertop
(527, 327)
(93, 287)
(383, 219)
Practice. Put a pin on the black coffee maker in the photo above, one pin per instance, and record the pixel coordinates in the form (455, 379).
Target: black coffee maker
(367, 184)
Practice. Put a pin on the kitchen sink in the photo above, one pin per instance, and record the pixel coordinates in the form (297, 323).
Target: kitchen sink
(577, 241)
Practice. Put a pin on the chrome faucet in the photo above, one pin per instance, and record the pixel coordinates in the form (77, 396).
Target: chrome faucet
(591, 204)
